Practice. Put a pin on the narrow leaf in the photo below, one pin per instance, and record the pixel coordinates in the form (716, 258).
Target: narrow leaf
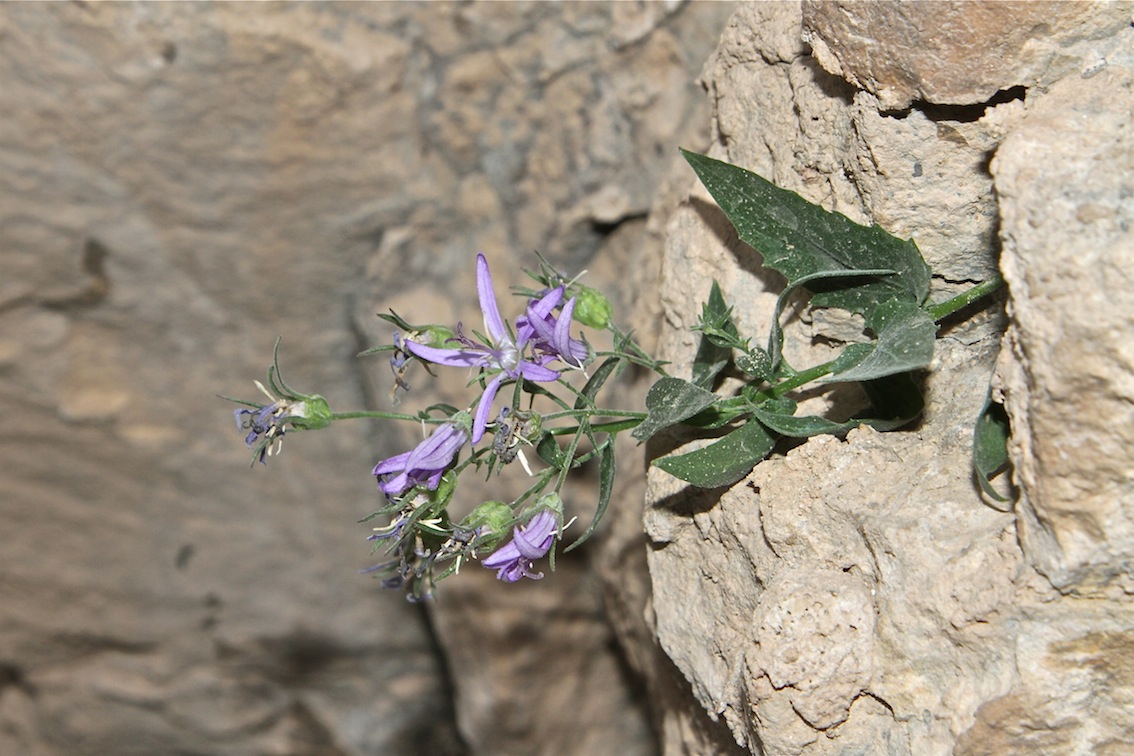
(597, 379)
(547, 449)
(606, 486)
(723, 462)
(711, 358)
(804, 426)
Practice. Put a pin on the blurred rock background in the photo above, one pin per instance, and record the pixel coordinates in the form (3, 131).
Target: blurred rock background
(860, 596)
(179, 185)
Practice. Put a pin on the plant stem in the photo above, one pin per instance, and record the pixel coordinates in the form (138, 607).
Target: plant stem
(799, 379)
(614, 426)
(943, 310)
(596, 413)
(378, 415)
(938, 312)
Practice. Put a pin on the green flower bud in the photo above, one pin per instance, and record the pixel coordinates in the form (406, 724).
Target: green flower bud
(436, 336)
(551, 501)
(311, 413)
(493, 516)
(492, 521)
(591, 307)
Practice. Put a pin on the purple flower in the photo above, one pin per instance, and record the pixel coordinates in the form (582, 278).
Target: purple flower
(264, 429)
(268, 423)
(503, 353)
(551, 336)
(424, 464)
(531, 541)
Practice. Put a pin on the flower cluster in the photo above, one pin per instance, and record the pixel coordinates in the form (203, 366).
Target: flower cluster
(504, 354)
(420, 536)
(420, 542)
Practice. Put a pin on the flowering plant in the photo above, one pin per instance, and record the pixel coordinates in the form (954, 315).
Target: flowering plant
(843, 265)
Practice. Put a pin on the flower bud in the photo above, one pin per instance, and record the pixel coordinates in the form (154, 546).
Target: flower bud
(494, 516)
(591, 307)
(312, 413)
(437, 336)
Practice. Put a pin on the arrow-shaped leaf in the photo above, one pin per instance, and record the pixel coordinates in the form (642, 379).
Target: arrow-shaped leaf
(799, 239)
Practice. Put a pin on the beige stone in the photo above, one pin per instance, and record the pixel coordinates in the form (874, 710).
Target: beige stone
(955, 53)
(858, 596)
(1064, 176)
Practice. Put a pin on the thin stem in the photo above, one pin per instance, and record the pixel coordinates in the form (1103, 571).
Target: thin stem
(799, 379)
(383, 416)
(943, 310)
(614, 426)
(596, 413)
(570, 454)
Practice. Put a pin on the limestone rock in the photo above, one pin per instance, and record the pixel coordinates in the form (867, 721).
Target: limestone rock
(1064, 176)
(956, 53)
(858, 596)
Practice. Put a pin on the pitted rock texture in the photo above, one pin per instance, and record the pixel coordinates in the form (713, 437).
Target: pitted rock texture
(1066, 178)
(857, 595)
(957, 53)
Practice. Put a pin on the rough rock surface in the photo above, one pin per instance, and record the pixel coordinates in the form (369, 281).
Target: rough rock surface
(858, 596)
(958, 53)
(1065, 177)
(182, 183)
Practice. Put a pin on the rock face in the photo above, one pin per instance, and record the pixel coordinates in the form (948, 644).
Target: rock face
(956, 53)
(858, 596)
(180, 184)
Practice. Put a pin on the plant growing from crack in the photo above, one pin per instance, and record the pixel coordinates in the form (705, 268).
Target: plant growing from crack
(860, 269)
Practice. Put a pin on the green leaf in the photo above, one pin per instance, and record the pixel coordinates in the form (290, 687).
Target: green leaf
(798, 239)
(851, 355)
(779, 416)
(720, 413)
(591, 389)
(712, 357)
(722, 462)
(990, 446)
(756, 363)
(776, 337)
(606, 486)
(905, 337)
(669, 401)
(802, 427)
(547, 449)
(708, 363)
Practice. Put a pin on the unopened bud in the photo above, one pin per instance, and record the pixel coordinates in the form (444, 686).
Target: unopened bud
(592, 309)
